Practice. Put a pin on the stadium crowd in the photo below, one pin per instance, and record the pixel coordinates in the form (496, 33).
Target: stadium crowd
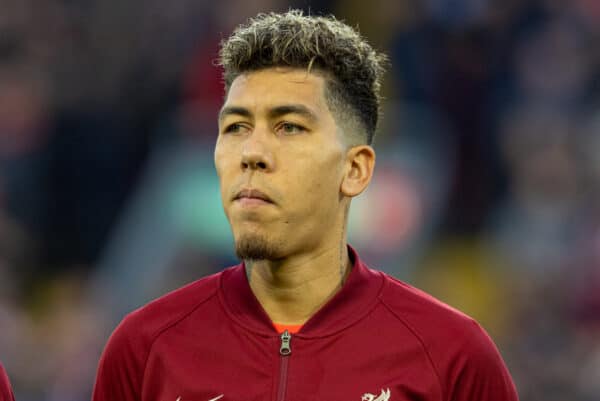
(486, 194)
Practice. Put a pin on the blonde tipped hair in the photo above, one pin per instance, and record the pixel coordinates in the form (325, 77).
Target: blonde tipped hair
(352, 68)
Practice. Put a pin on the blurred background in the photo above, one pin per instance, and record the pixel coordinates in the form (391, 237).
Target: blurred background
(486, 192)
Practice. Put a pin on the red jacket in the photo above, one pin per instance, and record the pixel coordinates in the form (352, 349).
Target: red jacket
(6, 393)
(378, 339)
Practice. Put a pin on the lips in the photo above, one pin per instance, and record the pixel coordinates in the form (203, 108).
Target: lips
(252, 194)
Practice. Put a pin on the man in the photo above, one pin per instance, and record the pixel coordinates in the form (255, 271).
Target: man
(302, 318)
(6, 393)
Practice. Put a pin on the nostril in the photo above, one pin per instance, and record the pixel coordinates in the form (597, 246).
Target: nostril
(261, 165)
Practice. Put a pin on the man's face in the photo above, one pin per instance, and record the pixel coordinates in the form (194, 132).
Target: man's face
(280, 161)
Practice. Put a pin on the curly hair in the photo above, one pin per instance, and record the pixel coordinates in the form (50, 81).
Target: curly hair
(352, 69)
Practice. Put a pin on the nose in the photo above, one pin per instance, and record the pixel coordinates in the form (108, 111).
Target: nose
(256, 154)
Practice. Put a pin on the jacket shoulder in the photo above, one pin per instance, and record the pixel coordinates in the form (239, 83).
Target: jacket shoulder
(420, 310)
(122, 365)
(163, 312)
(463, 355)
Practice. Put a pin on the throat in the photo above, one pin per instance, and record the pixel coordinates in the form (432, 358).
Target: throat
(291, 293)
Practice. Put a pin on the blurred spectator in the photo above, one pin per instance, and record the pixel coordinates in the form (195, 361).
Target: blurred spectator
(537, 225)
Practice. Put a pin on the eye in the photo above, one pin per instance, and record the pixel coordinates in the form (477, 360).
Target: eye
(287, 128)
(234, 128)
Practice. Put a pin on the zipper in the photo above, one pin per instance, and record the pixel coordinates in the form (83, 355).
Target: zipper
(284, 351)
(285, 348)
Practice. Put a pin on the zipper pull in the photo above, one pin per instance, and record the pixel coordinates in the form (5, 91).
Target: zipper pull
(285, 348)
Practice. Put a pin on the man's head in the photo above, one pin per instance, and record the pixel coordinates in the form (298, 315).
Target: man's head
(299, 117)
(351, 67)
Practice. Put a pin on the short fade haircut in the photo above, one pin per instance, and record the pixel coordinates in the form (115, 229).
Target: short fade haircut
(352, 68)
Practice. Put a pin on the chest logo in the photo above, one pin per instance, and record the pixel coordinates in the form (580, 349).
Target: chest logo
(384, 396)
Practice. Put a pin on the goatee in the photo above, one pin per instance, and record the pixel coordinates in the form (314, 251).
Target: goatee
(255, 248)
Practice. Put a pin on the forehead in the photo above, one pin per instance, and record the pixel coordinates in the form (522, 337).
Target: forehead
(274, 86)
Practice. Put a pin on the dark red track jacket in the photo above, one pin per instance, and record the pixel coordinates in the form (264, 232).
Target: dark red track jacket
(6, 393)
(378, 339)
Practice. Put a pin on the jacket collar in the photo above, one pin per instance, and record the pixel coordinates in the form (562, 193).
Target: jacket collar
(356, 298)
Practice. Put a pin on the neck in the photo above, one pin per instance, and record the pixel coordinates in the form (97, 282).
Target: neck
(291, 290)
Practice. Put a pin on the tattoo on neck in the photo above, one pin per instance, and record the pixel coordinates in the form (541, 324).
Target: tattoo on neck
(342, 270)
(342, 250)
(249, 264)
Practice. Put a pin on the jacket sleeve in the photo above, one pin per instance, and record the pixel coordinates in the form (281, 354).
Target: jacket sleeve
(480, 373)
(6, 393)
(121, 368)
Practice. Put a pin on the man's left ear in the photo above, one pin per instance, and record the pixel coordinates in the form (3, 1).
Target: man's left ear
(360, 162)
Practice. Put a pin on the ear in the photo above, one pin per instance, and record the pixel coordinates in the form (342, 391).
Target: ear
(360, 162)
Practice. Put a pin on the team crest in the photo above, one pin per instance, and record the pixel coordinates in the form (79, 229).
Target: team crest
(384, 396)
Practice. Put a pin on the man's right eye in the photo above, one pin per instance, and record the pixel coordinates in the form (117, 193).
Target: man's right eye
(232, 128)
(235, 128)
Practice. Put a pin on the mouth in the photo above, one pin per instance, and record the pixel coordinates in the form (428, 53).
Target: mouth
(252, 196)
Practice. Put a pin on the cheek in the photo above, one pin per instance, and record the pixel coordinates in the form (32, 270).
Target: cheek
(217, 158)
(223, 160)
(330, 167)
(322, 177)
(220, 152)
(223, 172)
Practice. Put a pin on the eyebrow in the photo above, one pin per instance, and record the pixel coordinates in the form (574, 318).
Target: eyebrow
(233, 110)
(293, 109)
(274, 112)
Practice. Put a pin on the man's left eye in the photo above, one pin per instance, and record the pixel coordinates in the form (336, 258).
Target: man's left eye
(290, 128)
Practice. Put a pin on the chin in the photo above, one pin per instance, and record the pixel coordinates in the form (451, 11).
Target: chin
(256, 247)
